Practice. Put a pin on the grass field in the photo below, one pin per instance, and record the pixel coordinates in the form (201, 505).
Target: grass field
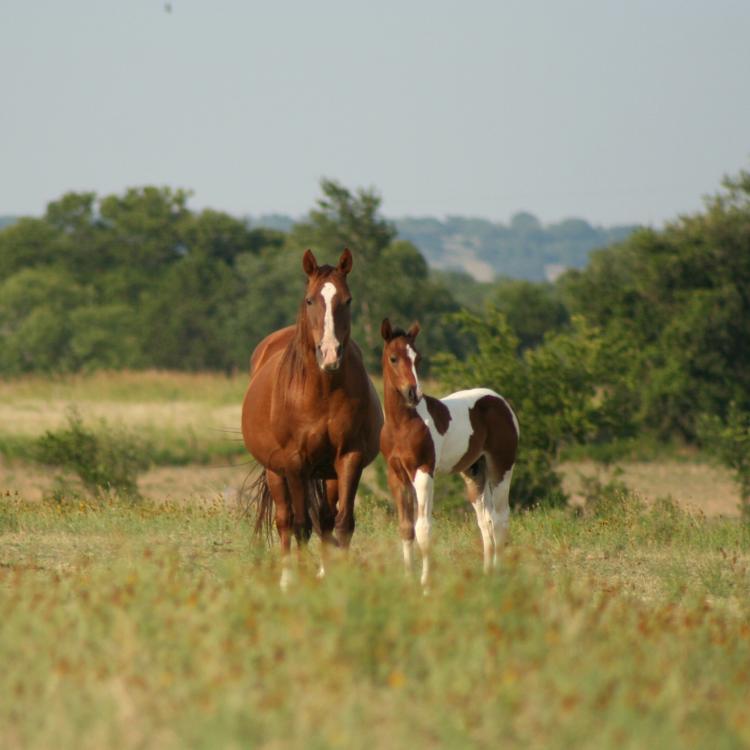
(159, 624)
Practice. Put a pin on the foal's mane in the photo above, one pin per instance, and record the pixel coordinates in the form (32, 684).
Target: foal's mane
(293, 361)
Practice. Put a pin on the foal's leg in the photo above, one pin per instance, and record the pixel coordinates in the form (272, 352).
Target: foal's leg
(477, 493)
(279, 492)
(404, 499)
(423, 486)
(499, 508)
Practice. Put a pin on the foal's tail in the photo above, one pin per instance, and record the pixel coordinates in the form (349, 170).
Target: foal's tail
(259, 502)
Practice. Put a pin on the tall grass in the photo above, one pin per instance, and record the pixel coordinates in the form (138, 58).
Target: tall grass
(162, 626)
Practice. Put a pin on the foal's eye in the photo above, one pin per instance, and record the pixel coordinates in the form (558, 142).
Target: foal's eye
(309, 301)
(393, 360)
(349, 301)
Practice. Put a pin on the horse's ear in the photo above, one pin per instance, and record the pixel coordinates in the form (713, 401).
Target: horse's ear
(345, 261)
(413, 331)
(309, 263)
(385, 329)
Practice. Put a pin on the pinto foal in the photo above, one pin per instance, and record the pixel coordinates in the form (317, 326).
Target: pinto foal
(473, 433)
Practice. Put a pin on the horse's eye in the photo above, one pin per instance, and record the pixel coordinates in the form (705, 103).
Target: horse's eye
(393, 360)
(349, 301)
(309, 301)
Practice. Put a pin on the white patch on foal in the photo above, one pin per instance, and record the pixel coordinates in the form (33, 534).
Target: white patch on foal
(451, 447)
(329, 344)
(413, 357)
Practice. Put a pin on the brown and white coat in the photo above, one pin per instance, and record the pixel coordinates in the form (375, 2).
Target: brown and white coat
(473, 433)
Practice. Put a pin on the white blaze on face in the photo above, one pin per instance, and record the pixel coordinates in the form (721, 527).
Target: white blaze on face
(330, 344)
(413, 357)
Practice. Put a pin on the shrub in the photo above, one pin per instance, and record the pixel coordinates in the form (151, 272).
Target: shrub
(106, 461)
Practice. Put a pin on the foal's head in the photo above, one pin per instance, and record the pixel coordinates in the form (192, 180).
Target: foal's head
(327, 308)
(400, 361)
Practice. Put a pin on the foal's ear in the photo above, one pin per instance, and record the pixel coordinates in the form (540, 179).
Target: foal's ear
(413, 331)
(345, 261)
(309, 264)
(385, 329)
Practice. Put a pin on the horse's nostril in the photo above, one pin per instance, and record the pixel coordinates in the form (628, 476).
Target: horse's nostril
(339, 349)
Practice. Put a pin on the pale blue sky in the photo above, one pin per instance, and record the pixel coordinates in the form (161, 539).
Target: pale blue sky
(613, 111)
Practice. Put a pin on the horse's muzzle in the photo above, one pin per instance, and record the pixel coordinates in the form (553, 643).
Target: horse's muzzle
(329, 357)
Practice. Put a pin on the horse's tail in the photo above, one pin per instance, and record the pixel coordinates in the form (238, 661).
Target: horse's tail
(259, 502)
(316, 506)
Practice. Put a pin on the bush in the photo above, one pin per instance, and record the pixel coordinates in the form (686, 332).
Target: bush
(729, 441)
(106, 461)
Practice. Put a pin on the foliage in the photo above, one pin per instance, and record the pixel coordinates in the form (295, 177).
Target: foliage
(106, 461)
(679, 299)
(729, 441)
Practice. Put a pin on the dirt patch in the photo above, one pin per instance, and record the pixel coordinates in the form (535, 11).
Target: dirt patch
(698, 486)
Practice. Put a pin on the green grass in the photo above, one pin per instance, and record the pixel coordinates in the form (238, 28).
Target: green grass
(141, 625)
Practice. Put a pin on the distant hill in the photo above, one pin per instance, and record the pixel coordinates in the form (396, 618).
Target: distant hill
(6, 220)
(523, 249)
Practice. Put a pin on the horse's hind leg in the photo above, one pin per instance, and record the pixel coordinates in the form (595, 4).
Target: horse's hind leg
(477, 493)
(277, 487)
(499, 508)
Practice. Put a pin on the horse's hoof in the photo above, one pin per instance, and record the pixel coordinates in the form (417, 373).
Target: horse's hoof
(286, 580)
(321, 574)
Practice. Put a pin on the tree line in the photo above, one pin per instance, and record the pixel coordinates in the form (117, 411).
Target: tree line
(649, 337)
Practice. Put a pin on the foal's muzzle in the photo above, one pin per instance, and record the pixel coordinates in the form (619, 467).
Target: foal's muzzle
(412, 394)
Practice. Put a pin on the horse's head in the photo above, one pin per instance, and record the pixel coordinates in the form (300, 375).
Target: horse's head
(327, 308)
(400, 361)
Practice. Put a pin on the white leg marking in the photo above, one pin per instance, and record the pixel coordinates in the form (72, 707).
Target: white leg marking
(413, 357)
(287, 576)
(423, 483)
(483, 521)
(500, 512)
(330, 343)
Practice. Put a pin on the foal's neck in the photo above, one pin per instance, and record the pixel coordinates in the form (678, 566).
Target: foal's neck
(396, 408)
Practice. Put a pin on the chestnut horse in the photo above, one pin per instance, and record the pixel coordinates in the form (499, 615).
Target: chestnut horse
(473, 433)
(311, 417)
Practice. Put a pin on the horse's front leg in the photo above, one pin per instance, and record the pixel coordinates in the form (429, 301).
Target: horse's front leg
(404, 499)
(348, 470)
(327, 519)
(280, 494)
(423, 486)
